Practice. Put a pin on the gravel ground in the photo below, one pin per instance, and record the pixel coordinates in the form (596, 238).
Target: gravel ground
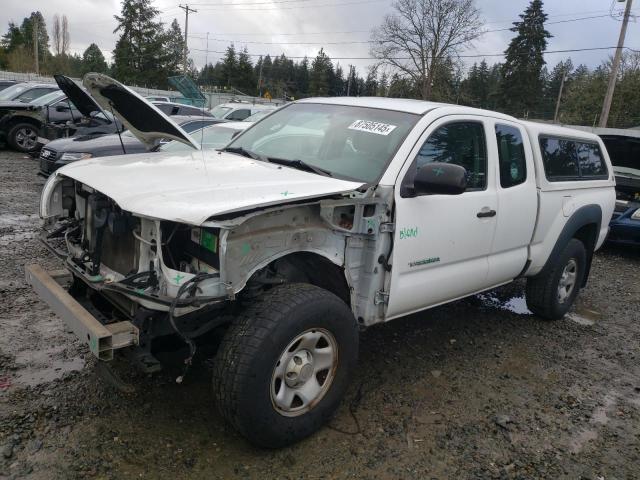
(475, 389)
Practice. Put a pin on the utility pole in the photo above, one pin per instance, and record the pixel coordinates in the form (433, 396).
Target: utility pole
(606, 106)
(35, 44)
(186, 9)
(555, 115)
(260, 78)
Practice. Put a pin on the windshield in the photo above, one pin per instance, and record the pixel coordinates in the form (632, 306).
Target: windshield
(350, 142)
(47, 99)
(220, 111)
(214, 136)
(10, 92)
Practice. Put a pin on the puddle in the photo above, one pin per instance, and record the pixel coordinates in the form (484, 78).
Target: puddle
(584, 316)
(14, 220)
(517, 305)
(38, 367)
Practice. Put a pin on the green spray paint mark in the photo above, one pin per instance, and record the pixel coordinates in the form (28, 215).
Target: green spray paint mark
(245, 249)
(93, 344)
(286, 193)
(408, 233)
(438, 171)
(209, 241)
(178, 278)
(425, 261)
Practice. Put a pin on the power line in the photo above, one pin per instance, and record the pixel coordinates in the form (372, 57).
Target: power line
(349, 42)
(479, 55)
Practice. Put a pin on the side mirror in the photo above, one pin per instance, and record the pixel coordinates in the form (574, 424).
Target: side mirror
(62, 108)
(440, 179)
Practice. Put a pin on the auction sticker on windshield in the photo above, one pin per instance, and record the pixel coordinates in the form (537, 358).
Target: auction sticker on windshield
(372, 127)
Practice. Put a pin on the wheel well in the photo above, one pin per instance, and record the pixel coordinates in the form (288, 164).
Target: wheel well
(307, 267)
(588, 235)
(16, 120)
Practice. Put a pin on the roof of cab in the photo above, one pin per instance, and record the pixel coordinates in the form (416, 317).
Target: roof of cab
(419, 107)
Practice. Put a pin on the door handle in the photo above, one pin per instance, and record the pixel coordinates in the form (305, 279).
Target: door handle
(486, 213)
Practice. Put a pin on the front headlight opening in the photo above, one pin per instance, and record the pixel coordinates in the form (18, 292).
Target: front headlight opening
(75, 156)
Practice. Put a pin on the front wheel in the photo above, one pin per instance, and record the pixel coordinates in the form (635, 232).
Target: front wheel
(285, 363)
(550, 296)
(23, 137)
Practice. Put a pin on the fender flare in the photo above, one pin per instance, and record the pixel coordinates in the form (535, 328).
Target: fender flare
(585, 215)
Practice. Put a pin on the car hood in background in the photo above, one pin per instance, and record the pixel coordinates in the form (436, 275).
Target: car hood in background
(81, 99)
(192, 187)
(90, 143)
(142, 118)
(15, 105)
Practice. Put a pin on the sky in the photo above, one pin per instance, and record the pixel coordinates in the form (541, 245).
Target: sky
(300, 27)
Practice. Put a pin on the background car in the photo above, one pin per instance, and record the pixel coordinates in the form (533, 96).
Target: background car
(211, 137)
(21, 123)
(67, 150)
(171, 109)
(6, 83)
(158, 98)
(26, 92)
(238, 111)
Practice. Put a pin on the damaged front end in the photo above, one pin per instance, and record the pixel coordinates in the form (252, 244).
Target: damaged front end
(170, 277)
(161, 276)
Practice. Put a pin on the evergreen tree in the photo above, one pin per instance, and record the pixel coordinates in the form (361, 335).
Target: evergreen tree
(319, 77)
(139, 53)
(174, 49)
(522, 83)
(246, 81)
(93, 60)
(229, 67)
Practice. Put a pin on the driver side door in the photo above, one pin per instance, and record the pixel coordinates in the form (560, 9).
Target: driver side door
(442, 243)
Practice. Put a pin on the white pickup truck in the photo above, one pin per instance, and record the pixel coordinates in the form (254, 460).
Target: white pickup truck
(329, 215)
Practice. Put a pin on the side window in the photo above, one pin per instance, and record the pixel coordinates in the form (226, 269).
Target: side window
(591, 161)
(239, 114)
(164, 108)
(32, 94)
(193, 126)
(566, 159)
(513, 165)
(460, 143)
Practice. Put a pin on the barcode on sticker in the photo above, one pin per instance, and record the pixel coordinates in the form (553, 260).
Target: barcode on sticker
(372, 127)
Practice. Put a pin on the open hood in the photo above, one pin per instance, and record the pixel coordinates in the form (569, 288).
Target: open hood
(142, 118)
(81, 99)
(191, 187)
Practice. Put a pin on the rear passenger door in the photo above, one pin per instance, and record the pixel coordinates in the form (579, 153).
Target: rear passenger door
(517, 200)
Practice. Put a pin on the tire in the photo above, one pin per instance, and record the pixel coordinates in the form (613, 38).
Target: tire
(544, 294)
(256, 371)
(23, 137)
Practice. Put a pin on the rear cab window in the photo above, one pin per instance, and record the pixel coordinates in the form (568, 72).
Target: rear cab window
(511, 156)
(567, 159)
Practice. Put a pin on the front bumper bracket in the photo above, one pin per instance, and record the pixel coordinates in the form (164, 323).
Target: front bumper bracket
(102, 339)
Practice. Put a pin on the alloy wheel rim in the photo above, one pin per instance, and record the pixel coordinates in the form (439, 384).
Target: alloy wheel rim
(304, 372)
(567, 280)
(26, 138)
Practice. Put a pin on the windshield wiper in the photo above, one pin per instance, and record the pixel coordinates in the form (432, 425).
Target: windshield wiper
(244, 152)
(300, 165)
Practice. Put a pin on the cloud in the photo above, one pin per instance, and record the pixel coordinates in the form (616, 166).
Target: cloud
(297, 28)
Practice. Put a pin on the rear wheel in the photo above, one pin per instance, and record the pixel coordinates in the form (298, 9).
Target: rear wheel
(285, 364)
(550, 296)
(23, 137)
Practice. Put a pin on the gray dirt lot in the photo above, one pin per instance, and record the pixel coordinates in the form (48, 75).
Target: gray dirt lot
(475, 389)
